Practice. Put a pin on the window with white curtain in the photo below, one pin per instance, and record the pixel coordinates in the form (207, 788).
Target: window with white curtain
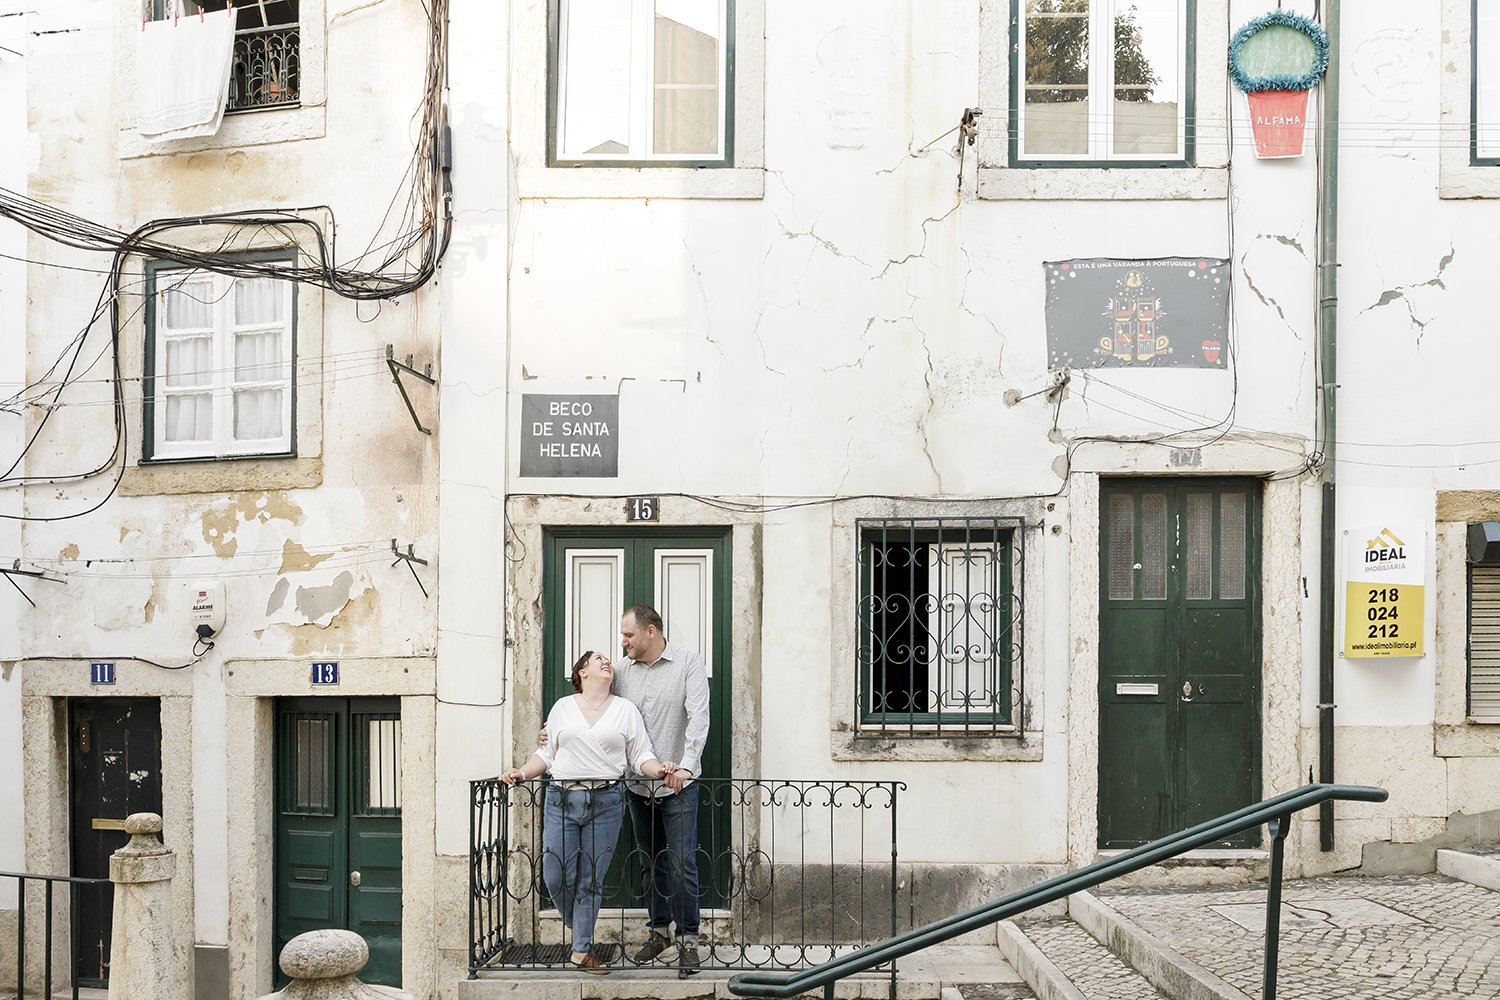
(641, 81)
(1487, 81)
(219, 366)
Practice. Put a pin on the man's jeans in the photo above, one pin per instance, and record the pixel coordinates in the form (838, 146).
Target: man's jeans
(666, 834)
(579, 833)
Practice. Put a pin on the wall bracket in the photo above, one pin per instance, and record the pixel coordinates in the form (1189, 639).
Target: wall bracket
(397, 368)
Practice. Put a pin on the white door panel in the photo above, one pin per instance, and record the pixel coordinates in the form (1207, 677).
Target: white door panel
(684, 598)
(594, 599)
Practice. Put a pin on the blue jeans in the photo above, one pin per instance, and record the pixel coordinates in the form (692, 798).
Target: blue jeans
(579, 830)
(666, 834)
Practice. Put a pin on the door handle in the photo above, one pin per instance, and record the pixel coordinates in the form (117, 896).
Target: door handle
(354, 878)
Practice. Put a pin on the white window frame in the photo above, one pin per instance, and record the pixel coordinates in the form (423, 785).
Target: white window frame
(1101, 81)
(1205, 179)
(222, 385)
(643, 93)
(1486, 114)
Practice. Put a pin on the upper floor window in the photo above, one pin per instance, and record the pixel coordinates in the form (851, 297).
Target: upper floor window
(939, 628)
(1101, 81)
(641, 82)
(266, 71)
(1486, 41)
(219, 366)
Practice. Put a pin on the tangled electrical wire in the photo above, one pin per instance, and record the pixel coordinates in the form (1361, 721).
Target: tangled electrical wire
(386, 268)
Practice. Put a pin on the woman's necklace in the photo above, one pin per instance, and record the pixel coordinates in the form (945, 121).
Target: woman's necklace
(595, 705)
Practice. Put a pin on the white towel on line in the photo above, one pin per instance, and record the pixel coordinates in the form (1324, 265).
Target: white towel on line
(182, 75)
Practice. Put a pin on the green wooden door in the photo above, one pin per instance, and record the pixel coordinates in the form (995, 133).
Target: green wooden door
(590, 577)
(1179, 656)
(338, 824)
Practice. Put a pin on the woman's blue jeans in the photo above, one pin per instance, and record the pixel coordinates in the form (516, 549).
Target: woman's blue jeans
(580, 828)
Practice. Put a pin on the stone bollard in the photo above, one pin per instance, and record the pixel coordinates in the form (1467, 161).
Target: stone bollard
(142, 954)
(322, 965)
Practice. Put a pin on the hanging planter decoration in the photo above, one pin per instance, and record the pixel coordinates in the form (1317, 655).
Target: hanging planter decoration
(1276, 59)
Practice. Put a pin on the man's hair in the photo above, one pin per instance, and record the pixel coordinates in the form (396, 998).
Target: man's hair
(644, 615)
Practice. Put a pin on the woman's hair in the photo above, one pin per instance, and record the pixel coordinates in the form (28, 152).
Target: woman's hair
(578, 670)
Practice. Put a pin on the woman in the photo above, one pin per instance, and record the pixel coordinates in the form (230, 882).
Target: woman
(594, 736)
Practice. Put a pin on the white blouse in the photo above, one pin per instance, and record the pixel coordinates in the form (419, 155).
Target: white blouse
(576, 751)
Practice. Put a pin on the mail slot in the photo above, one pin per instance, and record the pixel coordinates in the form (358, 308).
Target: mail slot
(107, 824)
(1135, 689)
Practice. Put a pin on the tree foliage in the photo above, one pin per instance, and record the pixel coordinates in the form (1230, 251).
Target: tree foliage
(1057, 53)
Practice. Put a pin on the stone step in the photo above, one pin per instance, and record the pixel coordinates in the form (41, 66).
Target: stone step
(1173, 974)
(1061, 960)
(1477, 866)
(923, 976)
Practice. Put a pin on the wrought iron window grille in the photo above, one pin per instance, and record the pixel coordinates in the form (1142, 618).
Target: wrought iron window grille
(266, 67)
(939, 625)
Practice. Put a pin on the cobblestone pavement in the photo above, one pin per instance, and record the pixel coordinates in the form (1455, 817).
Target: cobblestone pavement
(1391, 938)
(1097, 972)
(995, 991)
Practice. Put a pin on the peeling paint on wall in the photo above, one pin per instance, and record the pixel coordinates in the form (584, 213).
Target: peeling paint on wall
(221, 522)
(278, 596)
(294, 557)
(69, 551)
(320, 604)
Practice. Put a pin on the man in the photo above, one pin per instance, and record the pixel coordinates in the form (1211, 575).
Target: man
(670, 686)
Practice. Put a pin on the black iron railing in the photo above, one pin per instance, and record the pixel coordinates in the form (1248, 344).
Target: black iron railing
(266, 71)
(940, 628)
(45, 887)
(1276, 812)
(792, 873)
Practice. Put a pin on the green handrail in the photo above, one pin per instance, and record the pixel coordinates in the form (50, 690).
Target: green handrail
(1274, 810)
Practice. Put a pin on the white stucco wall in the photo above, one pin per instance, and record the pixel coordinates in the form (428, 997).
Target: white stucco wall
(13, 154)
(851, 320)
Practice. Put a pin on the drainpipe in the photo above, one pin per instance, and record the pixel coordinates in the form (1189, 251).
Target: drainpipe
(1328, 281)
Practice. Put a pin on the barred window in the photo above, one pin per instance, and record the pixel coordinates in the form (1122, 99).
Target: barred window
(266, 71)
(939, 628)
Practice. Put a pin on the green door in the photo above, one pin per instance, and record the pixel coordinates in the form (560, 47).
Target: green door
(338, 824)
(1179, 656)
(590, 577)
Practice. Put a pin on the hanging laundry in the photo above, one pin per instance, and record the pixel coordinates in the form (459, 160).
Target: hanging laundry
(182, 75)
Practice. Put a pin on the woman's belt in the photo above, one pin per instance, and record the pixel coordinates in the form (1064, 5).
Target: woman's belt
(585, 784)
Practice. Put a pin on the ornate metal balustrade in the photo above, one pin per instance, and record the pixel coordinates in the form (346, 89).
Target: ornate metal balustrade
(792, 873)
(267, 68)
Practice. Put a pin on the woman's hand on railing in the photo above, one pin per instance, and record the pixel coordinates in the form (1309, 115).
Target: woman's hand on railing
(512, 776)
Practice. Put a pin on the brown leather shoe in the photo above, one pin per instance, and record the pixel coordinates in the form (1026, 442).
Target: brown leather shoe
(591, 965)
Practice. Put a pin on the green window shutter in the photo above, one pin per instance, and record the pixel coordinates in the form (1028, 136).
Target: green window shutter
(1484, 641)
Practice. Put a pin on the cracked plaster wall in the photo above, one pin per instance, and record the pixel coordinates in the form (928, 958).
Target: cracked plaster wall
(302, 546)
(856, 329)
(13, 155)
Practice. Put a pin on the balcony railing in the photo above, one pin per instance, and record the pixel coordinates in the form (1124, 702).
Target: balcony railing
(792, 873)
(53, 893)
(266, 71)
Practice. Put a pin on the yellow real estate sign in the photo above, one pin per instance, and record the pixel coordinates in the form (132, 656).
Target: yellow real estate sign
(1384, 573)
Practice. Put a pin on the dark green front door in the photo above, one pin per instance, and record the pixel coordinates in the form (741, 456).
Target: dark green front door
(1179, 656)
(590, 577)
(338, 824)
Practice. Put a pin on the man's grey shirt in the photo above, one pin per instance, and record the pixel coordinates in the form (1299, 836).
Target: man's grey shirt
(672, 694)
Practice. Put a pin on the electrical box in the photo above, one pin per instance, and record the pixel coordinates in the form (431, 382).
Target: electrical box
(208, 609)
